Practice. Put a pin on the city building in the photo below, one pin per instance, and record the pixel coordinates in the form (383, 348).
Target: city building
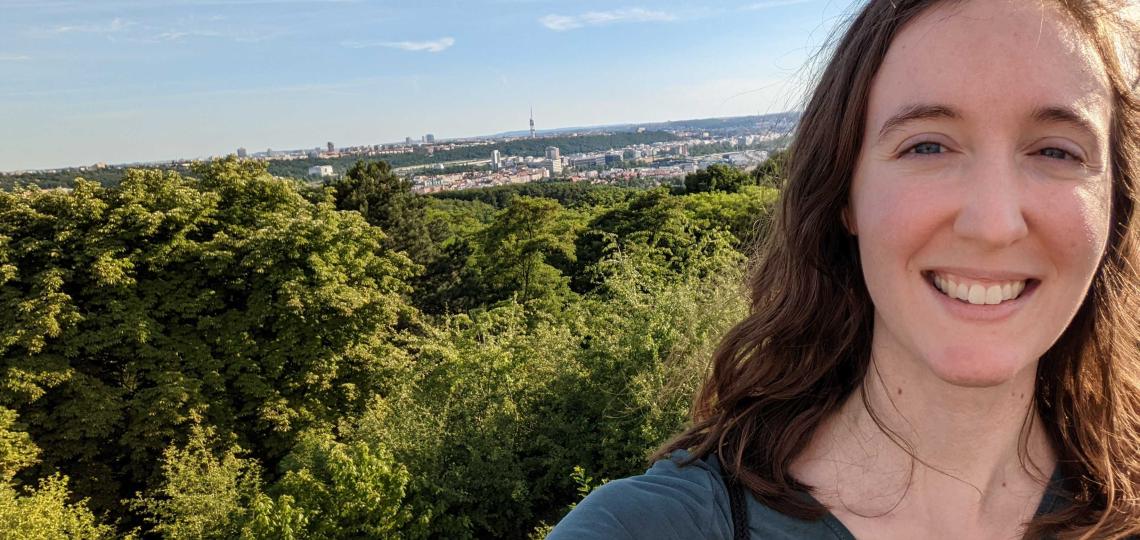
(552, 153)
(241, 152)
(429, 138)
(588, 162)
(331, 147)
(321, 171)
(554, 165)
(407, 140)
(496, 162)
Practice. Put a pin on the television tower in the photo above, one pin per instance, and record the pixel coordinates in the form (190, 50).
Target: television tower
(532, 122)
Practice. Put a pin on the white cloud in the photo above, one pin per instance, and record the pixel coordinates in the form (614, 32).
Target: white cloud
(14, 57)
(178, 35)
(435, 46)
(596, 18)
(110, 27)
(765, 4)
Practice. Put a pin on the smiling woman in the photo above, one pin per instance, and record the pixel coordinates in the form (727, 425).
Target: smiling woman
(944, 339)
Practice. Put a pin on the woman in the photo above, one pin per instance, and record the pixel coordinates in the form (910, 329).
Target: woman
(943, 340)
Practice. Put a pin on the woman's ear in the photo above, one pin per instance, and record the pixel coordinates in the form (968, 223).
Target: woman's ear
(848, 220)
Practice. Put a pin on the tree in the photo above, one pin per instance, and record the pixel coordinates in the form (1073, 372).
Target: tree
(771, 172)
(523, 250)
(386, 200)
(655, 228)
(142, 309)
(717, 177)
(44, 511)
(206, 491)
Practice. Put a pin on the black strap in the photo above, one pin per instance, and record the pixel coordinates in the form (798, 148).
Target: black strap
(738, 504)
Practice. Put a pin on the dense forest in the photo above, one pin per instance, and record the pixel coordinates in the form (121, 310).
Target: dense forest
(229, 354)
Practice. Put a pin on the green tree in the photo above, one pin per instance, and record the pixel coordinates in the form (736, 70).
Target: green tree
(387, 201)
(229, 298)
(331, 489)
(206, 492)
(717, 177)
(46, 511)
(745, 214)
(654, 228)
(771, 173)
(523, 250)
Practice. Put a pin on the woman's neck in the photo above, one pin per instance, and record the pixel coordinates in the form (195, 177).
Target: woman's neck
(910, 449)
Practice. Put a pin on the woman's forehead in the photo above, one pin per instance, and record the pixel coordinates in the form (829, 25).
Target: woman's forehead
(989, 56)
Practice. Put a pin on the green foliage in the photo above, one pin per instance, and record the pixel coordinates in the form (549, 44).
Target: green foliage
(655, 229)
(386, 201)
(46, 513)
(504, 405)
(567, 194)
(65, 178)
(524, 248)
(745, 214)
(202, 494)
(138, 307)
(772, 172)
(717, 177)
(232, 356)
(17, 451)
(332, 489)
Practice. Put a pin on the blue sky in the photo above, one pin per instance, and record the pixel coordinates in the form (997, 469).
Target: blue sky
(83, 81)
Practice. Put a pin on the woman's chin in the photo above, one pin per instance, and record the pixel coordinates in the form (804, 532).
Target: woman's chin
(975, 367)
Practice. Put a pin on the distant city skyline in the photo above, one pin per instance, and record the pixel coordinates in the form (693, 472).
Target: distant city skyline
(121, 81)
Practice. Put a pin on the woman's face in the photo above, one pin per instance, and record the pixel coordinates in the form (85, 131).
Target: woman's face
(981, 199)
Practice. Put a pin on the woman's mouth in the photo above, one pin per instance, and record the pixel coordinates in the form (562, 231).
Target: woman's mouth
(978, 292)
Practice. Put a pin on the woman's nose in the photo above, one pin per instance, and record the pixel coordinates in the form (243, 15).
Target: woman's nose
(992, 205)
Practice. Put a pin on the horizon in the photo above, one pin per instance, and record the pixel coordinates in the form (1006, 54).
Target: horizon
(549, 133)
(129, 81)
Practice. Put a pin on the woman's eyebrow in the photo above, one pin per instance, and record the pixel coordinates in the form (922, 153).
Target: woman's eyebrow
(920, 111)
(1065, 115)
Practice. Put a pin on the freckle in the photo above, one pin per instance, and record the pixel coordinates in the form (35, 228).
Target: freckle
(1023, 395)
(1003, 484)
(900, 390)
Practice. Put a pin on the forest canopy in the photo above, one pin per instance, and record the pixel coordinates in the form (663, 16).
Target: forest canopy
(229, 354)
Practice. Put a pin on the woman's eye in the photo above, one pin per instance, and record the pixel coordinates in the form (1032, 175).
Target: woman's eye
(1056, 153)
(926, 148)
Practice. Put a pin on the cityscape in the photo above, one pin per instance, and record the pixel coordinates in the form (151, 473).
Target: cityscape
(652, 154)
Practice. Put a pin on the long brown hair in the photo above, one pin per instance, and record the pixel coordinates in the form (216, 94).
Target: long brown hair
(805, 347)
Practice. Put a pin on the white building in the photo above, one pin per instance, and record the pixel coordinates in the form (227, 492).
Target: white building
(495, 160)
(321, 170)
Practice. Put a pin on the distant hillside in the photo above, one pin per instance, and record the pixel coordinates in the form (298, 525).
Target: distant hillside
(299, 168)
(726, 125)
(64, 178)
(523, 147)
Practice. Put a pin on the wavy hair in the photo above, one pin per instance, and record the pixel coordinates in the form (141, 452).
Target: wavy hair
(805, 346)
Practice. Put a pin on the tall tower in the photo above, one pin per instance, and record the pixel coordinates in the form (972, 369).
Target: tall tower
(532, 122)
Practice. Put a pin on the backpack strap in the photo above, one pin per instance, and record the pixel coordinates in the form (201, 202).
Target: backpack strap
(738, 504)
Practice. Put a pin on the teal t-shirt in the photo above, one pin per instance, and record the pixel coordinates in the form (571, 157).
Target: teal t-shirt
(690, 503)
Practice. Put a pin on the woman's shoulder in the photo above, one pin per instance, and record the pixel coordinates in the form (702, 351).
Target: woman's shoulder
(670, 500)
(684, 502)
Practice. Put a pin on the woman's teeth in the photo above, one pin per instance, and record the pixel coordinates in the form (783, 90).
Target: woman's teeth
(976, 293)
